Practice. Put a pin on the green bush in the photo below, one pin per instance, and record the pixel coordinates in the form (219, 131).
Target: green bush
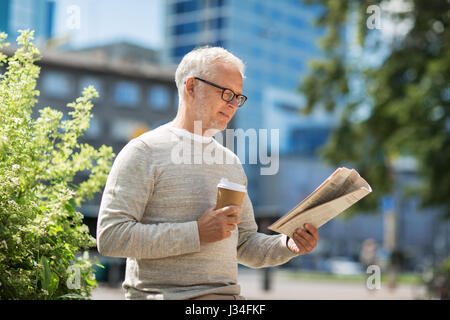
(42, 235)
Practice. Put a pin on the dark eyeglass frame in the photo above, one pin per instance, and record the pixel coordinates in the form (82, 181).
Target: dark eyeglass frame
(238, 96)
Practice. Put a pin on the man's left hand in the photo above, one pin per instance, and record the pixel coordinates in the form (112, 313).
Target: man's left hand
(303, 241)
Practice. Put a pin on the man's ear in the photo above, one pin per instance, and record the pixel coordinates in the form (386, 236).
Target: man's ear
(189, 86)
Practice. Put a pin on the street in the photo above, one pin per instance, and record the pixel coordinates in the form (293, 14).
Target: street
(285, 288)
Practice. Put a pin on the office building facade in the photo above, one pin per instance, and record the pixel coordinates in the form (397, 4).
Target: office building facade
(276, 39)
(37, 15)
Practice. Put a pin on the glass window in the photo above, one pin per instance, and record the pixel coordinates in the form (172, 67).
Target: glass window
(185, 28)
(258, 9)
(126, 129)
(297, 42)
(212, 24)
(127, 94)
(307, 140)
(274, 58)
(159, 97)
(176, 98)
(275, 79)
(275, 14)
(254, 73)
(218, 3)
(179, 52)
(298, 22)
(159, 123)
(95, 128)
(219, 43)
(186, 6)
(295, 64)
(56, 84)
(87, 81)
(290, 79)
(256, 52)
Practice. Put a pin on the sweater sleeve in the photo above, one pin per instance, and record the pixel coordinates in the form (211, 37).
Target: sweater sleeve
(127, 192)
(255, 249)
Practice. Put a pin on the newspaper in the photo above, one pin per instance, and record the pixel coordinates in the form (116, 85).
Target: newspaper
(343, 188)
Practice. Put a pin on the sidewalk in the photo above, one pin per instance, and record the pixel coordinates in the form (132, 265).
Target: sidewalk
(285, 288)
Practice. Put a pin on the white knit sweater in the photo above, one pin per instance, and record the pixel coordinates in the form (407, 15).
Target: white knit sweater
(148, 215)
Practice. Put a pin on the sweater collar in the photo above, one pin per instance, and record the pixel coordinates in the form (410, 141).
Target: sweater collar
(190, 135)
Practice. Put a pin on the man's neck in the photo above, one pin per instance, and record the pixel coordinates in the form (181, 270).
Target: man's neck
(181, 121)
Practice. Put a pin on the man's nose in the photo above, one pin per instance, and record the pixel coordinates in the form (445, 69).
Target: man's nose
(234, 103)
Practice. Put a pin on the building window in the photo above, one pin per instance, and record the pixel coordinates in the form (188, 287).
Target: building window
(158, 98)
(294, 64)
(179, 52)
(95, 128)
(307, 140)
(87, 81)
(299, 42)
(275, 14)
(218, 3)
(298, 23)
(56, 84)
(123, 130)
(176, 98)
(127, 94)
(219, 43)
(213, 24)
(185, 28)
(185, 6)
(159, 123)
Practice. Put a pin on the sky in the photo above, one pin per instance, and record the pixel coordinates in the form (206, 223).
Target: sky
(93, 22)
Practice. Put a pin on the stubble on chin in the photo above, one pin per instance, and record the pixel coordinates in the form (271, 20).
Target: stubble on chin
(213, 125)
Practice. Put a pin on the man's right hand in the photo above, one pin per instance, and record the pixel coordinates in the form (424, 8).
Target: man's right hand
(215, 225)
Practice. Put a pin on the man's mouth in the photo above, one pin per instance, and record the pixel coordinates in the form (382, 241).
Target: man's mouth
(224, 114)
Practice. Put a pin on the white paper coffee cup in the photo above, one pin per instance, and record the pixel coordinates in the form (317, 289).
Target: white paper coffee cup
(229, 193)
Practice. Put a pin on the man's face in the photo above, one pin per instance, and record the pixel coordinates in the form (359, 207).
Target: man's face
(209, 106)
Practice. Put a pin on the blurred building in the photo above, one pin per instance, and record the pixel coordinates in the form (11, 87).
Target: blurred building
(276, 39)
(17, 15)
(124, 52)
(134, 97)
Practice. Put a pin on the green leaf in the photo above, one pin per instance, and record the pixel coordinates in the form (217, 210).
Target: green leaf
(53, 284)
(45, 273)
(69, 207)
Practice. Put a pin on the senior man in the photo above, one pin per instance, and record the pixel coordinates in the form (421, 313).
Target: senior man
(161, 215)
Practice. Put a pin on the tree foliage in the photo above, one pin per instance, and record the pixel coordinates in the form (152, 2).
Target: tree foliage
(391, 89)
(42, 235)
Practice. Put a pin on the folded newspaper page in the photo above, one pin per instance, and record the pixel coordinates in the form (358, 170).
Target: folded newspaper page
(343, 188)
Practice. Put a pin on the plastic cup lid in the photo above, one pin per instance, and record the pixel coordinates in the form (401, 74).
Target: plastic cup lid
(226, 184)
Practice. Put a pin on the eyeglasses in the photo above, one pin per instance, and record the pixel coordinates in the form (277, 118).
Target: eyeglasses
(227, 94)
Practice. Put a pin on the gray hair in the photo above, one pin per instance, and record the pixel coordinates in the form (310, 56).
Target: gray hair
(199, 63)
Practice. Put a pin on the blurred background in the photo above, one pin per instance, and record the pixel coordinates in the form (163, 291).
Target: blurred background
(362, 84)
